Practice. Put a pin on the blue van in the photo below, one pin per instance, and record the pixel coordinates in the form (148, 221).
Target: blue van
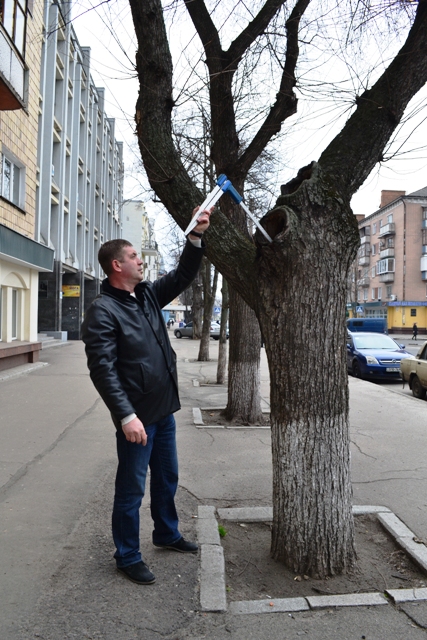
(375, 325)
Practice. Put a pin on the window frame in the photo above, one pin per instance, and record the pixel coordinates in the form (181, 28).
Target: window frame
(12, 10)
(15, 192)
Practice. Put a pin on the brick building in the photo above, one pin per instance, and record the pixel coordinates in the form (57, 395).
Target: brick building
(22, 257)
(389, 278)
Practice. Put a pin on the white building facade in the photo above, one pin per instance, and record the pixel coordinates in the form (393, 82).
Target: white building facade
(80, 177)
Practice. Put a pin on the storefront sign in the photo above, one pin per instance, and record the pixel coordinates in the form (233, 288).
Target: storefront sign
(71, 290)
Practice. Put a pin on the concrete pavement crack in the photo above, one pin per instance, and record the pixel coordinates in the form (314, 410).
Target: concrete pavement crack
(22, 471)
(384, 480)
(362, 452)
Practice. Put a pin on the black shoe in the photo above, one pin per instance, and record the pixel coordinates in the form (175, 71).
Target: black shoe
(181, 545)
(138, 573)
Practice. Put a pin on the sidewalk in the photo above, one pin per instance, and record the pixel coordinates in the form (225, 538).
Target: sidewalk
(57, 471)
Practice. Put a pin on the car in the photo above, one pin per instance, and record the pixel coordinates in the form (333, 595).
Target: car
(414, 371)
(187, 331)
(374, 355)
(367, 325)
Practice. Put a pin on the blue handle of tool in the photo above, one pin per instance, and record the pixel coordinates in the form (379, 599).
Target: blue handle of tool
(227, 187)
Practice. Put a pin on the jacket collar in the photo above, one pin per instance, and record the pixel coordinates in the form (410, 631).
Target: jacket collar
(106, 287)
(121, 293)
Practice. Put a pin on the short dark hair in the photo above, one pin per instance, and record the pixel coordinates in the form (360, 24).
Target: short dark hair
(111, 250)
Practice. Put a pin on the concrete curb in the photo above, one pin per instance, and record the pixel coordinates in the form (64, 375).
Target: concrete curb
(21, 370)
(212, 573)
(198, 419)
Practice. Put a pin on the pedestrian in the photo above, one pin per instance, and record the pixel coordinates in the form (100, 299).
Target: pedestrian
(133, 367)
(414, 331)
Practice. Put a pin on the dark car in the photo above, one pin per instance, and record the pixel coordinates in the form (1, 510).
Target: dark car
(374, 355)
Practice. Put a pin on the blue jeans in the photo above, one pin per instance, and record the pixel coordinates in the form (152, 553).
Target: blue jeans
(160, 454)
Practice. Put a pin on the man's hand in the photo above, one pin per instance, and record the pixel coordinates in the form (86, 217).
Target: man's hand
(202, 219)
(134, 432)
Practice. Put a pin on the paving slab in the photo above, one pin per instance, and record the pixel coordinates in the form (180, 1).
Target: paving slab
(246, 514)
(212, 578)
(347, 600)
(277, 605)
(407, 595)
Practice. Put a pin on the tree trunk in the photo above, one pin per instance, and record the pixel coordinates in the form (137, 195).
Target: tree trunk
(209, 293)
(222, 347)
(244, 399)
(313, 530)
(197, 307)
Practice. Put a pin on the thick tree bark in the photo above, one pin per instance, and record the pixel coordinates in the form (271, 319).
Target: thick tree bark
(312, 517)
(222, 347)
(244, 400)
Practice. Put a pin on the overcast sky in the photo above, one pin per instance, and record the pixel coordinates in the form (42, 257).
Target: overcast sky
(111, 67)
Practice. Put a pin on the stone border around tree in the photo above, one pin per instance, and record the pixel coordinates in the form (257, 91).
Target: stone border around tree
(198, 420)
(213, 594)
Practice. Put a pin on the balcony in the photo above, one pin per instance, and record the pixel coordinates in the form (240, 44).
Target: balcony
(13, 75)
(387, 253)
(363, 261)
(424, 224)
(423, 263)
(387, 230)
(365, 240)
(364, 282)
(387, 277)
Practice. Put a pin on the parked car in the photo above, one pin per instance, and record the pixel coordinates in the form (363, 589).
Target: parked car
(374, 355)
(187, 331)
(376, 325)
(414, 371)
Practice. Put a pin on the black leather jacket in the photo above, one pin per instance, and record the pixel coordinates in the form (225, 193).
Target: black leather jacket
(129, 355)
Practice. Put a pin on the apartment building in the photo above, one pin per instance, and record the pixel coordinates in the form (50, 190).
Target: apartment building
(137, 228)
(79, 190)
(22, 256)
(390, 274)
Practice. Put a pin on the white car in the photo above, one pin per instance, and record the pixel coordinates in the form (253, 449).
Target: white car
(414, 371)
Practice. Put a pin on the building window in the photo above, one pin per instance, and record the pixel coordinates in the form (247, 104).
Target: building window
(365, 295)
(380, 224)
(413, 313)
(12, 176)
(374, 249)
(385, 266)
(374, 228)
(380, 293)
(389, 290)
(13, 16)
(390, 218)
(424, 213)
(373, 272)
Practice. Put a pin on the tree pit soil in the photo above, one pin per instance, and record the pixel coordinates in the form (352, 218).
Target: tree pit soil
(216, 418)
(251, 574)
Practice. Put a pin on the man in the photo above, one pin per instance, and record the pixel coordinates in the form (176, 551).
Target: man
(133, 367)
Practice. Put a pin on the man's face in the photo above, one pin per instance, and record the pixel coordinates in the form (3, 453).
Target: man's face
(132, 271)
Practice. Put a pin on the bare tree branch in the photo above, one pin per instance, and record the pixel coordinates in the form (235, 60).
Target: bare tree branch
(286, 101)
(361, 142)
